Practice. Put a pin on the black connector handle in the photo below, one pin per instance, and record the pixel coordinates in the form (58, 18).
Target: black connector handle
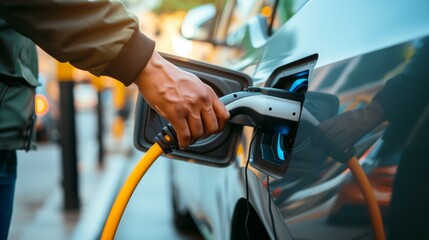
(167, 139)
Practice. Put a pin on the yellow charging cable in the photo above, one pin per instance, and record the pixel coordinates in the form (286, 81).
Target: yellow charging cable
(371, 201)
(127, 190)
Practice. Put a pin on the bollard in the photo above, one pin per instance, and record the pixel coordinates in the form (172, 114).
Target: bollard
(98, 83)
(68, 137)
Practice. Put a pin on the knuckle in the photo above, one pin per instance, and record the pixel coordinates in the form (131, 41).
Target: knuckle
(202, 99)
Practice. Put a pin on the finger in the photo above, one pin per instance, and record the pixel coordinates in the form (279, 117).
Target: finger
(196, 127)
(210, 122)
(222, 114)
(181, 127)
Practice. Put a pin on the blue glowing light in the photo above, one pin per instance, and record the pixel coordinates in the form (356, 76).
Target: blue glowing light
(298, 83)
(302, 74)
(283, 130)
(280, 152)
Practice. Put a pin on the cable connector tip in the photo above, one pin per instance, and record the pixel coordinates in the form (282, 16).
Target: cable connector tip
(167, 139)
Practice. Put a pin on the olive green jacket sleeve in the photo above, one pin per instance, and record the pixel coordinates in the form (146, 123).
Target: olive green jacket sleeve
(98, 36)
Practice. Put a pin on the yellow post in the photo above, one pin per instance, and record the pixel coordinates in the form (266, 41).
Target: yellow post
(99, 84)
(64, 72)
(119, 101)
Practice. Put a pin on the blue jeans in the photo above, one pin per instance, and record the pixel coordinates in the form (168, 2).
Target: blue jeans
(7, 189)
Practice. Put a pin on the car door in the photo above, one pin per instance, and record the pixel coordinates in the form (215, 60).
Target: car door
(322, 200)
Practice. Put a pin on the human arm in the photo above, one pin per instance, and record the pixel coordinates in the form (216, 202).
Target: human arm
(404, 97)
(97, 36)
(101, 37)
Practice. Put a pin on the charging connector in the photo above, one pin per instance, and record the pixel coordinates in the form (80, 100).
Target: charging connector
(167, 139)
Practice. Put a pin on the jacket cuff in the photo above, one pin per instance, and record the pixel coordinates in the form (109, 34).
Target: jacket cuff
(131, 59)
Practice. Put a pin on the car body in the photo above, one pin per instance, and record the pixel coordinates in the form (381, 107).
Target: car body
(351, 50)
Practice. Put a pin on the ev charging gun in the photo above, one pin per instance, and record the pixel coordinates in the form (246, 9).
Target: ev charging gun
(269, 109)
(275, 115)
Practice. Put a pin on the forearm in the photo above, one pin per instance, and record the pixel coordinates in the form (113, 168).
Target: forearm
(98, 36)
(405, 96)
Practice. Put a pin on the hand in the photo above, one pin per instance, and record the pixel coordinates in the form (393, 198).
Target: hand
(191, 106)
(338, 135)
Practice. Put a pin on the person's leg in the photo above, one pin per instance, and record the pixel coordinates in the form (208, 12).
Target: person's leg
(7, 189)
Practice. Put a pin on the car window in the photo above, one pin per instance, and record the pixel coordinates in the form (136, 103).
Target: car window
(243, 10)
(285, 10)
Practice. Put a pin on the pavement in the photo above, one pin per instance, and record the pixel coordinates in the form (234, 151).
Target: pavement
(38, 210)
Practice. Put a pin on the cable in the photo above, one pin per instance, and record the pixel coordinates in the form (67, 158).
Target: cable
(371, 201)
(247, 198)
(269, 207)
(127, 190)
(165, 142)
(247, 186)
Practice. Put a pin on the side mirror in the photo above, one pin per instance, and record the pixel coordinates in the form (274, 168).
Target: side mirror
(198, 23)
